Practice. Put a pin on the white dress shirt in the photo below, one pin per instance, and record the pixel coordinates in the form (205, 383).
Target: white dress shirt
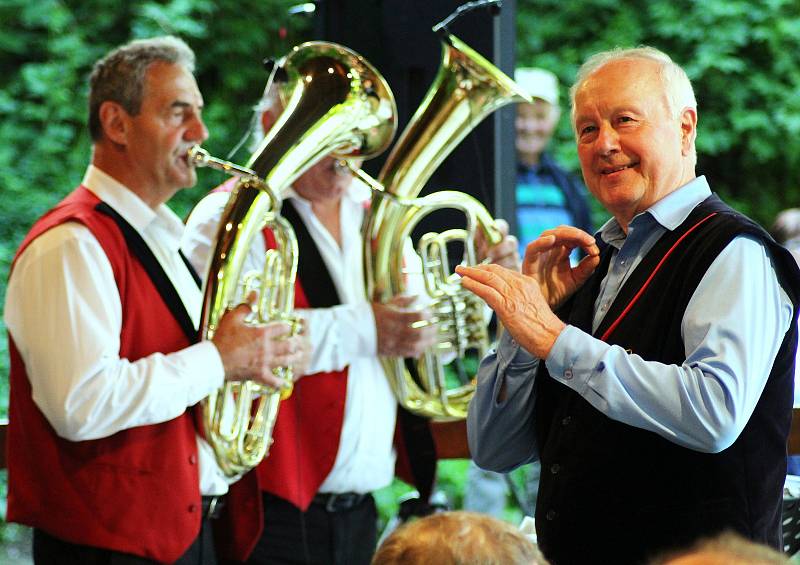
(64, 313)
(341, 336)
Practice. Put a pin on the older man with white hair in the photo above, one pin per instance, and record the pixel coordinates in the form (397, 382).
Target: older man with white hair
(652, 380)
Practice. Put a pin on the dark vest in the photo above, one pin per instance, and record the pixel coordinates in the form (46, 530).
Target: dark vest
(613, 493)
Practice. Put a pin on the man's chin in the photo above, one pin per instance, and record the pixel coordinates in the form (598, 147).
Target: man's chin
(187, 179)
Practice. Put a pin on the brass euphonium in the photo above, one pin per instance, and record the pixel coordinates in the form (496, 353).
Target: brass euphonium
(466, 89)
(334, 102)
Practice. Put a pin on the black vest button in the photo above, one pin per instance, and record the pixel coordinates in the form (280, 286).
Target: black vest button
(551, 515)
(566, 420)
(555, 468)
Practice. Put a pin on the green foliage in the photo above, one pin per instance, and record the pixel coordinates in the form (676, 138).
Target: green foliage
(741, 55)
(47, 49)
(744, 63)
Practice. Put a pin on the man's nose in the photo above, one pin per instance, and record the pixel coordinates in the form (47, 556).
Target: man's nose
(525, 126)
(197, 132)
(607, 140)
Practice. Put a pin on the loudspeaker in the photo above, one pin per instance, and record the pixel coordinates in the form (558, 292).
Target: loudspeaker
(396, 37)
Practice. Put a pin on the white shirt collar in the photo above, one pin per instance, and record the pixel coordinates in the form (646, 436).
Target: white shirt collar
(132, 208)
(675, 207)
(670, 211)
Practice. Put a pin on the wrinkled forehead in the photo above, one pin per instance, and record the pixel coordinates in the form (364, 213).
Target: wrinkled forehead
(620, 82)
(168, 82)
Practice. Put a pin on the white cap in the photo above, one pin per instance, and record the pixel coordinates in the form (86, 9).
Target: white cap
(539, 83)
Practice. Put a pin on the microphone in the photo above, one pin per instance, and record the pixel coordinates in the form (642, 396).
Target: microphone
(494, 7)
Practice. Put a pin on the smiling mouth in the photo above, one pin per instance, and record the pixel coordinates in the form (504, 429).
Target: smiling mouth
(611, 170)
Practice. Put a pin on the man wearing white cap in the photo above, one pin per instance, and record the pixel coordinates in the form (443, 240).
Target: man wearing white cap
(547, 196)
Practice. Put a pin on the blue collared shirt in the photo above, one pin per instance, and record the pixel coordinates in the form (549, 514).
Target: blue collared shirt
(732, 329)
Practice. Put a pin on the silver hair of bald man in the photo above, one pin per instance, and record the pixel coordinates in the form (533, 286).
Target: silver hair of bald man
(678, 87)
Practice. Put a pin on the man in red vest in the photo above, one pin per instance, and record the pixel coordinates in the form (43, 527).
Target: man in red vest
(334, 435)
(104, 457)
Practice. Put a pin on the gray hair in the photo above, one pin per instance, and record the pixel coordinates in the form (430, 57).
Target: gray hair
(679, 91)
(270, 102)
(676, 83)
(119, 76)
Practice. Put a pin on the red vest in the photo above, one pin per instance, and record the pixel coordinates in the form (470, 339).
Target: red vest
(306, 435)
(308, 426)
(307, 430)
(136, 491)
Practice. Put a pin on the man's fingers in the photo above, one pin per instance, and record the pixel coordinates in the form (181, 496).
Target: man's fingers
(240, 311)
(566, 236)
(592, 250)
(585, 268)
(502, 226)
(277, 329)
(489, 295)
(505, 253)
(541, 243)
(490, 275)
(570, 233)
(401, 301)
(537, 247)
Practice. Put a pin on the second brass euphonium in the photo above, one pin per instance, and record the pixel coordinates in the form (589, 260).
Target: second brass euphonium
(466, 89)
(334, 101)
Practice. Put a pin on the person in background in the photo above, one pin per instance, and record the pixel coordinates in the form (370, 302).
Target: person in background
(546, 196)
(334, 436)
(458, 538)
(786, 230)
(653, 380)
(104, 459)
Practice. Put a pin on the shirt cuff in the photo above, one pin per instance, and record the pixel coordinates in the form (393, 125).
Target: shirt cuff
(512, 354)
(575, 358)
(203, 362)
(364, 316)
(515, 367)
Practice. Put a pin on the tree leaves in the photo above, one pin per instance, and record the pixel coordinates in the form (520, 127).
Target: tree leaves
(744, 63)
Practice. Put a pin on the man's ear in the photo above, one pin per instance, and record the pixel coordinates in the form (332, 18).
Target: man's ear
(688, 130)
(115, 122)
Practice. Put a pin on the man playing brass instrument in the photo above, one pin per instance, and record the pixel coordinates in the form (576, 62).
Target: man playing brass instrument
(334, 435)
(105, 461)
(653, 380)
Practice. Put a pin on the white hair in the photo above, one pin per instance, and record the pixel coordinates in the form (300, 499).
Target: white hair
(678, 88)
(270, 102)
(680, 93)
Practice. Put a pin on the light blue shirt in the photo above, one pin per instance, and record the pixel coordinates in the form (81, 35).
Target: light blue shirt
(732, 329)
